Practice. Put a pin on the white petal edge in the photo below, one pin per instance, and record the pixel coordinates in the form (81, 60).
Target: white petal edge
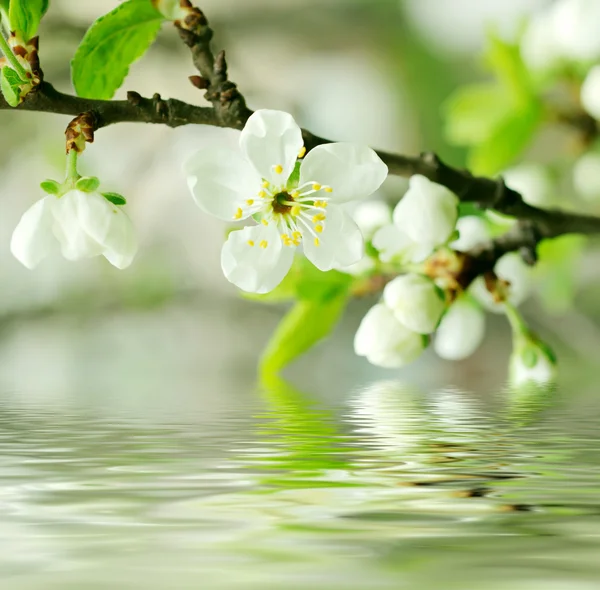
(221, 180)
(252, 268)
(340, 244)
(352, 170)
(270, 139)
(461, 331)
(33, 238)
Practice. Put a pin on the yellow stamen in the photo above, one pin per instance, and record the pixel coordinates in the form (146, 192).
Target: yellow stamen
(316, 186)
(265, 184)
(320, 204)
(250, 202)
(319, 228)
(278, 169)
(294, 194)
(296, 210)
(302, 152)
(263, 244)
(262, 194)
(328, 189)
(238, 214)
(318, 217)
(264, 222)
(296, 235)
(250, 243)
(317, 243)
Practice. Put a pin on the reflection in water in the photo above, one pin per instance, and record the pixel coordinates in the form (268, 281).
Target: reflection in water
(394, 488)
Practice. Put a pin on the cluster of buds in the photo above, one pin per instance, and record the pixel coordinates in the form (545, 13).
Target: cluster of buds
(30, 74)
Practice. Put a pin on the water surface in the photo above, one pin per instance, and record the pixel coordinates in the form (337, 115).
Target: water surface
(388, 488)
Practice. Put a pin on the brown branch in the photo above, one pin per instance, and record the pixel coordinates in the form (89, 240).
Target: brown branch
(229, 110)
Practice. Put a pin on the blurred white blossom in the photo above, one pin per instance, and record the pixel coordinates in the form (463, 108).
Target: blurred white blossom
(473, 230)
(533, 182)
(586, 176)
(590, 92)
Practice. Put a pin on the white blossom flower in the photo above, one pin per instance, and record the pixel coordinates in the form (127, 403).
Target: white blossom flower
(512, 269)
(385, 341)
(416, 302)
(424, 219)
(586, 176)
(532, 362)
(371, 216)
(576, 28)
(533, 182)
(590, 93)
(83, 224)
(461, 330)
(472, 230)
(291, 209)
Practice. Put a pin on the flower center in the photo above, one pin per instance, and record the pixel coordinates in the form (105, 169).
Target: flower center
(281, 203)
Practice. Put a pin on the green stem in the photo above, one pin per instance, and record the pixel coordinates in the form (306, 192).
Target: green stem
(518, 325)
(12, 58)
(72, 175)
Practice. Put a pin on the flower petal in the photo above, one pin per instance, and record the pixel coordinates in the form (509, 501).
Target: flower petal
(120, 244)
(75, 241)
(385, 341)
(353, 171)
(394, 244)
(428, 212)
(461, 331)
(271, 139)
(33, 238)
(340, 244)
(254, 258)
(221, 180)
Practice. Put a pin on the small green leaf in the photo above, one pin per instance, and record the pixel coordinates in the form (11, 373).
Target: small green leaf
(473, 112)
(294, 178)
(111, 45)
(506, 142)
(115, 198)
(10, 84)
(25, 16)
(51, 187)
(88, 184)
(504, 58)
(305, 324)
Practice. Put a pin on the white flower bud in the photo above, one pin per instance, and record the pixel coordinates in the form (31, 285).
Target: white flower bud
(461, 330)
(533, 182)
(384, 341)
(590, 92)
(532, 362)
(371, 216)
(416, 302)
(394, 245)
(586, 176)
(473, 230)
(427, 213)
(512, 269)
(576, 28)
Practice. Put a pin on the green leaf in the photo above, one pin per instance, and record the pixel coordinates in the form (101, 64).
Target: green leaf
(308, 322)
(506, 142)
(111, 45)
(25, 16)
(88, 184)
(51, 187)
(473, 112)
(115, 198)
(504, 58)
(10, 84)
